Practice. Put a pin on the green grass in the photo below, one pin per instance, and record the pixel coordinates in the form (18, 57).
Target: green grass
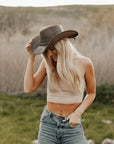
(94, 127)
(20, 118)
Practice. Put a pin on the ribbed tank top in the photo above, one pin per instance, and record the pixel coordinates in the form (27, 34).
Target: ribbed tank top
(66, 95)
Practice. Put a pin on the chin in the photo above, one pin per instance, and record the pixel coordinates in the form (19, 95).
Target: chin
(55, 60)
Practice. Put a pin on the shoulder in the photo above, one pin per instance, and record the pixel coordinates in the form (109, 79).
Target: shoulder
(88, 65)
(85, 62)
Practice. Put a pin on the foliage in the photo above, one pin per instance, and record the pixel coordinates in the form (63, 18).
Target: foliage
(105, 93)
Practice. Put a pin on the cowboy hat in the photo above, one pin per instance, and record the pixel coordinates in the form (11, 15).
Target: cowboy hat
(48, 37)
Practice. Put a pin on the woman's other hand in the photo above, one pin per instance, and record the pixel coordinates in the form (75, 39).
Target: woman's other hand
(74, 119)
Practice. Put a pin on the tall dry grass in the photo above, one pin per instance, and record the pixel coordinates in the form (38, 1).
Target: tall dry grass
(19, 25)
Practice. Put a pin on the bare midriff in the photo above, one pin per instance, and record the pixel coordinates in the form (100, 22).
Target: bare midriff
(62, 109)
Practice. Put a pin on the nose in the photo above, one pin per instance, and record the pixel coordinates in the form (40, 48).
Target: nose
(50, 53)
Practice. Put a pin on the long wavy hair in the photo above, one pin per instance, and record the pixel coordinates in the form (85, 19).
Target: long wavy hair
(65, 68)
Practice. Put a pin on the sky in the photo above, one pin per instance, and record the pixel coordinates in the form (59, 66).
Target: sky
(44, 3)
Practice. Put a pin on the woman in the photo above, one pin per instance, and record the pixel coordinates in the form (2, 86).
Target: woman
(68, 73)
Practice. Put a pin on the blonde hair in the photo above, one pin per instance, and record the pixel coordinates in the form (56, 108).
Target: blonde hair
(64, 68)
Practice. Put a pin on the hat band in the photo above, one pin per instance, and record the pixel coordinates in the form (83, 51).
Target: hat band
(43, 44)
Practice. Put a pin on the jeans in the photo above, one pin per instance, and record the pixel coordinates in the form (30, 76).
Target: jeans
(53, 130)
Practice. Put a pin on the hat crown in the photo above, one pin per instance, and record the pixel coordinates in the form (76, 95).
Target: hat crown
(49, 36)
(49, 33)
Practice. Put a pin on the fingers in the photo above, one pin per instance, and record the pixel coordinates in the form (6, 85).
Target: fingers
(69, 116)
(73, 124)
(30, 41)
(27, 47)
(29, 44)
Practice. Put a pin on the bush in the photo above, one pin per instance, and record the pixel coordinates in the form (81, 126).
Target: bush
(104, 93)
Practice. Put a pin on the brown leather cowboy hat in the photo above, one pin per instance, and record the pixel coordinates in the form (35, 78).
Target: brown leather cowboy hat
(48, 37)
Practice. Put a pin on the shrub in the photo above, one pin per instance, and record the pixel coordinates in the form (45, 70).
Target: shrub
(105, 93)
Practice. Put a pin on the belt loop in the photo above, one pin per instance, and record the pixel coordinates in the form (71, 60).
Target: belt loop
(49, 114)
(45, 107)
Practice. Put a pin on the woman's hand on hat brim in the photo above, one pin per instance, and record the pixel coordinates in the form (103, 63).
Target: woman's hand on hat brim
(27, 49)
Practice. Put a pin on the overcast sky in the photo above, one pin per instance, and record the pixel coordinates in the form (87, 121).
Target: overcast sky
(42, 3)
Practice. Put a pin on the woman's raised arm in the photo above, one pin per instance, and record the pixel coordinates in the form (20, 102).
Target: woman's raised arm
(33, 81)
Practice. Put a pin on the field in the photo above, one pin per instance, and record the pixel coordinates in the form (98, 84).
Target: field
(20, 118)
(19, 24)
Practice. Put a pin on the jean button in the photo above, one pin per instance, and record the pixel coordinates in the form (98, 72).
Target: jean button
(58, 117)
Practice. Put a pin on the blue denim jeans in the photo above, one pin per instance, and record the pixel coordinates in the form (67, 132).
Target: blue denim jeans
(53, 130)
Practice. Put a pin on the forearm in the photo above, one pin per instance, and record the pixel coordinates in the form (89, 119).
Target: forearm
(89, 98)
(28, 79)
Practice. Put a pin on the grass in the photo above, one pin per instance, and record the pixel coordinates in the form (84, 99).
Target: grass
(94, 127)
(20, 118)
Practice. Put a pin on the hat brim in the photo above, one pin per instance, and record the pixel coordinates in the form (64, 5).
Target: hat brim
(35, 46)
(37, 49)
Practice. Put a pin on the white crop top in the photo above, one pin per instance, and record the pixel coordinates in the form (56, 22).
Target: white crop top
(65, 95)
